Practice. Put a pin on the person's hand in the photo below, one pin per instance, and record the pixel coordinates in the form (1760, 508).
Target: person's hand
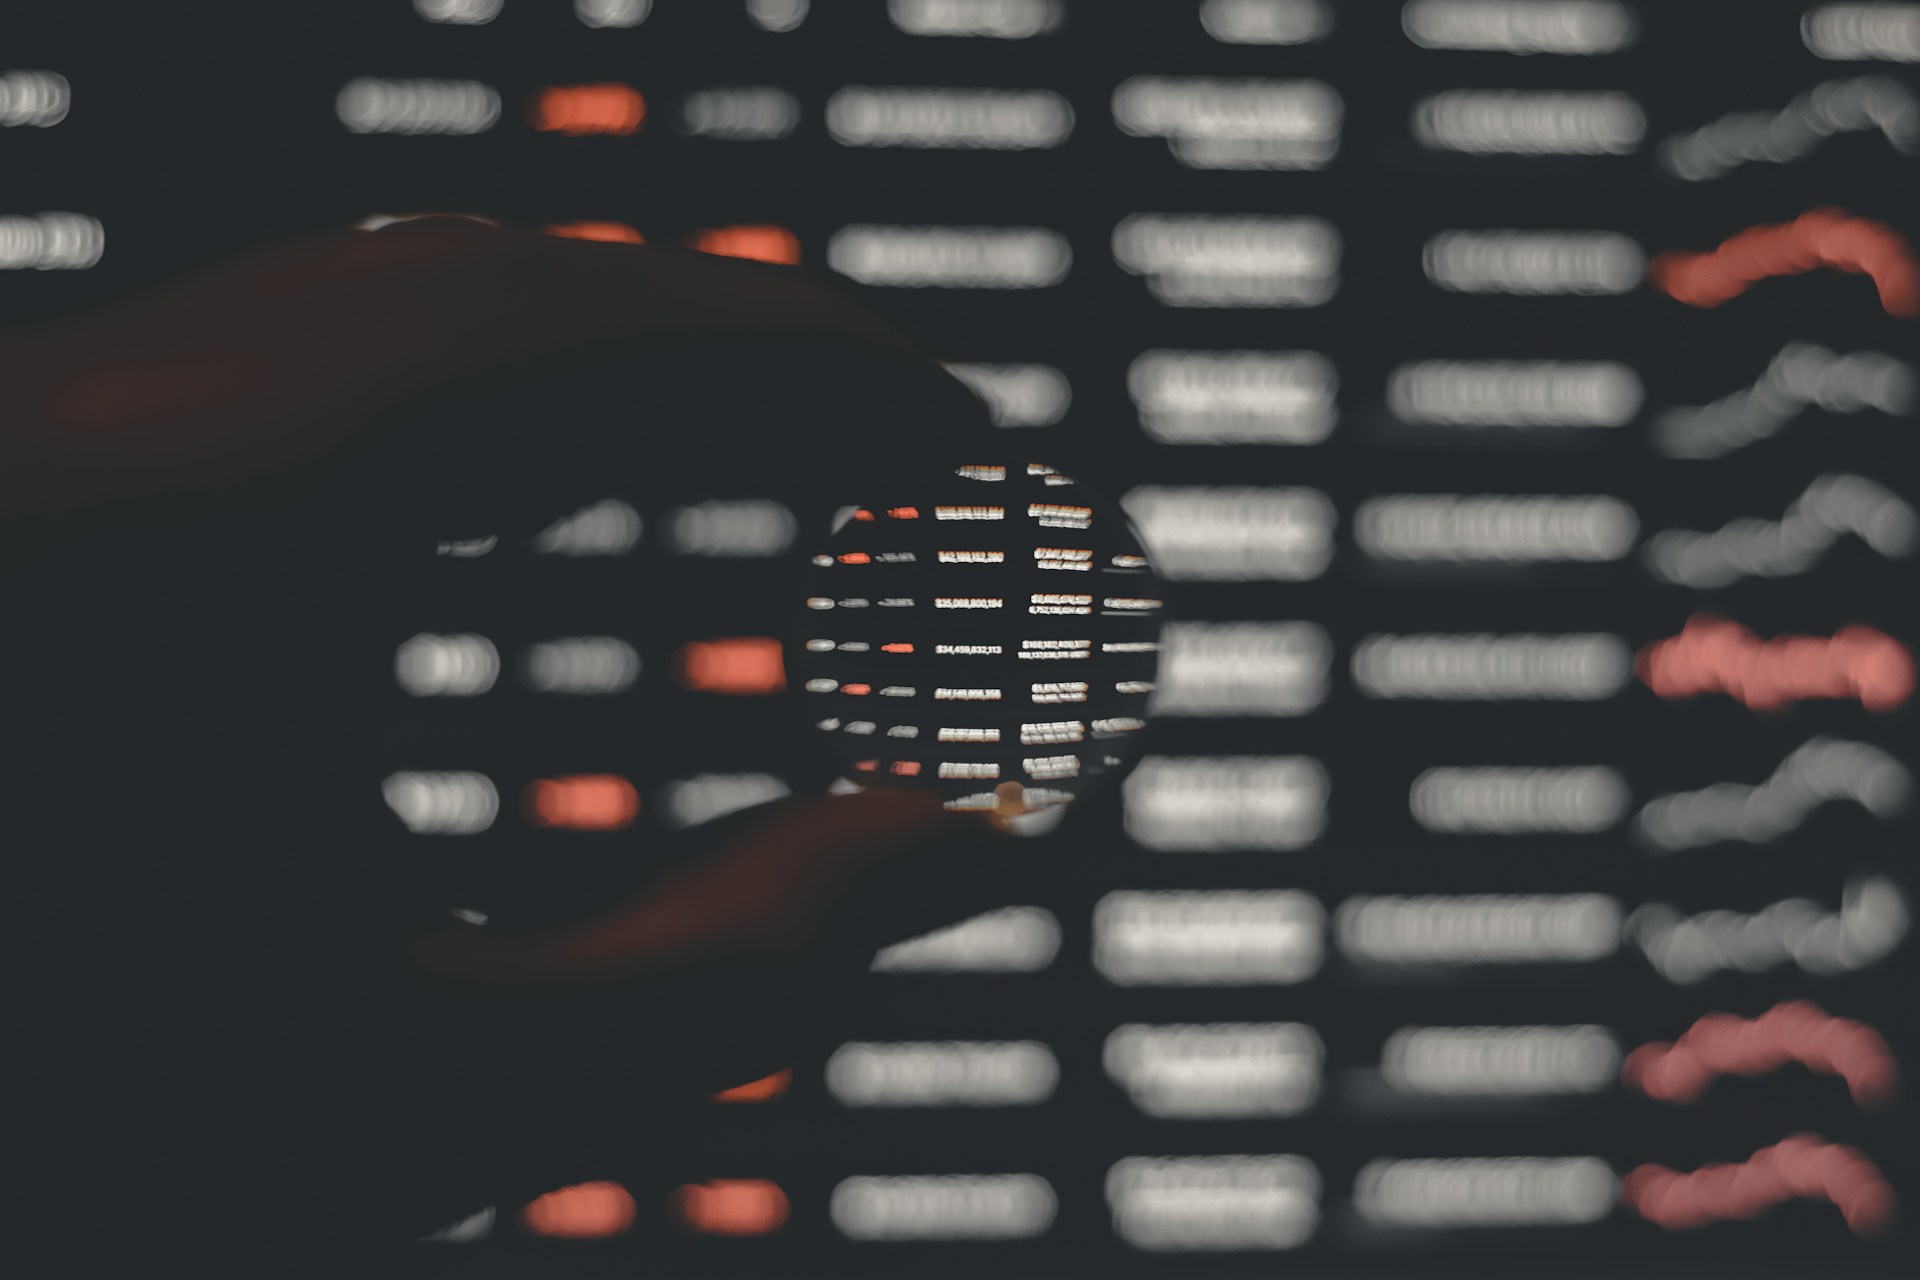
(766, 894)
(571, 1038)
(592, 1045)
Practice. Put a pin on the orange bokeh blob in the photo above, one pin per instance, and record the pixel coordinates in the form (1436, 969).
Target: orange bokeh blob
(737, 664)
(585, 1211)
(730, 1207)
(605, 232)
(765, 1089)
(1801, 1166)
(1715, 655)
(1818, 238)
(580, 109)
(1724, 1044)
(583, 802)
(761, 243)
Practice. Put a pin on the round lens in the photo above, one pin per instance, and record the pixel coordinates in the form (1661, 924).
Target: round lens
(991, 634)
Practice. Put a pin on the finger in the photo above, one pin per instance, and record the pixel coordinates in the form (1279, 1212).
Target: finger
(770, 889)
(956, 872)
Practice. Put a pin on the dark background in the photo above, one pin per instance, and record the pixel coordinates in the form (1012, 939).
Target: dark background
(197, 131)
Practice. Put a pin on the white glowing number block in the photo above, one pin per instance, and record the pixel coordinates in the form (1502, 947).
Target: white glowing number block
(1534, 263)
(990, 19)
(34, 99)
(1018, 395)
(465, 13)
(1204, 260)
(1830, 508)
(1455, 1062)
(1234, 397)
(1242, 669)
(1800, 376)
(1208, 938)
(1211, 123)
(1581, 667)
(51, 242)
(1008, 940)
(606, 528)
(778, 15)
(948, 119)
(1526, 122)
(1871, 923)
(1234, 533)
(442, 803)
(917, 257)
(1819, 771)
(1571, 800)
(1863, 32)
(373, 105)
(1214, 1203)
(1222, 1070)
(1796, 130)
(1010, 1206)
(942, 1074)
(612, 13)
(1571, 28)
(1515, 393)
(583, 665)
(1488, 928)
(1494, 528)
(468, 1230)
(1206, 804)
(446, 666)
(752, 113)
(692, 801)
(465, 548)
(1505, 1191)
(733, 527)
(1266, 21)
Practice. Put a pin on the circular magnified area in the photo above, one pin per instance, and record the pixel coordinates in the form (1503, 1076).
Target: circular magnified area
(992, 635)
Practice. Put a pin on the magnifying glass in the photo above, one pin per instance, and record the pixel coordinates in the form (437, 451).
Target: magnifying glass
(989, 631)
